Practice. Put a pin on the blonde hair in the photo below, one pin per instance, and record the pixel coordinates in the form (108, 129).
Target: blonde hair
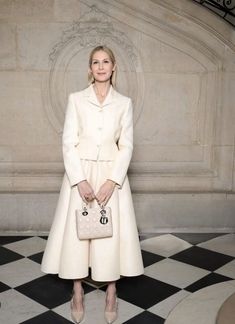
(108, 51)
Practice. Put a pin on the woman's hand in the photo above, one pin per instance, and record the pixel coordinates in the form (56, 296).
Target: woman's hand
(85, 190)
(105, 192)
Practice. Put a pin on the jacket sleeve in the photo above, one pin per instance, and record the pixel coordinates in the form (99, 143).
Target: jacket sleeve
(70, 141)
(125, 147)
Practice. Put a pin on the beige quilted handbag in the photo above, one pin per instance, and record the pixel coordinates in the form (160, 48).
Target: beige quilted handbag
(93, 223)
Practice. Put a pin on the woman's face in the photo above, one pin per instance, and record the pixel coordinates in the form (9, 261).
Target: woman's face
(101, 66)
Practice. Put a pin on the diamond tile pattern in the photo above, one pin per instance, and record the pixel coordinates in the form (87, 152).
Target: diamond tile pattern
(7, 256)
(3, 287)
(176, 266)
(202, 258)
(47, 317)
(144, 291)
(211, 279)
(146, 318)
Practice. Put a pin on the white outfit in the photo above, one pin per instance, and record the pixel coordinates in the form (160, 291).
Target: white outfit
(97, 145)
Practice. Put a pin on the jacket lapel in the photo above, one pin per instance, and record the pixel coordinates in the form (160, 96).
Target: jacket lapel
(91, 96)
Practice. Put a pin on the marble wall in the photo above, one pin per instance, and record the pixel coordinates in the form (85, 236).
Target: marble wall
(175, 59)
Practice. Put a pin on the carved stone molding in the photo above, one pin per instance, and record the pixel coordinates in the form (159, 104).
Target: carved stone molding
(181, 144)
(225, 9)
(93, 29)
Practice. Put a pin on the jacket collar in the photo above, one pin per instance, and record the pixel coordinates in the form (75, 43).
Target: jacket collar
(91, 96)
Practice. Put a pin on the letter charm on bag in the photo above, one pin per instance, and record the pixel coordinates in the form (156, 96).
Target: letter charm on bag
(94, 223)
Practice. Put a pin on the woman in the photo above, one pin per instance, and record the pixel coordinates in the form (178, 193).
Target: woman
(97, 149)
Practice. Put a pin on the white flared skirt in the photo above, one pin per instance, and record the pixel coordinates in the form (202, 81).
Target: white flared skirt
(108, 258)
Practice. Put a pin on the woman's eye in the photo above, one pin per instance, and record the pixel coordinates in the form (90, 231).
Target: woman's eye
(104, 62)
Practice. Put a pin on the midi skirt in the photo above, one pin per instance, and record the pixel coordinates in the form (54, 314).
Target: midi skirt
(108, 258)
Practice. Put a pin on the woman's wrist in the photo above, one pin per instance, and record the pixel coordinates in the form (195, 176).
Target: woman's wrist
(111, 181)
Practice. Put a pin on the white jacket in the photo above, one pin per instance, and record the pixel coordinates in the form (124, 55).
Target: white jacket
(97, 131)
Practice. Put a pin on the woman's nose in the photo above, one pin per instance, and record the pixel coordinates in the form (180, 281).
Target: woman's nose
(100, 65)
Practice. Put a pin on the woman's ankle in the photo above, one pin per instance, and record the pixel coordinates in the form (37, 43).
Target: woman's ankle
(77, 288)
(111, 291)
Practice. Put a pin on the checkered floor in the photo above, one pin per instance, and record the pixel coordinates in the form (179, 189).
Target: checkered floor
(175, 266)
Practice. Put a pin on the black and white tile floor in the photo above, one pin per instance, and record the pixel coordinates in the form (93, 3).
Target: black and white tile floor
(176, 267)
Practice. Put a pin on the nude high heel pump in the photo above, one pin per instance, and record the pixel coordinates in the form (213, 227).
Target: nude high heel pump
(77, 316)
(111, 316)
